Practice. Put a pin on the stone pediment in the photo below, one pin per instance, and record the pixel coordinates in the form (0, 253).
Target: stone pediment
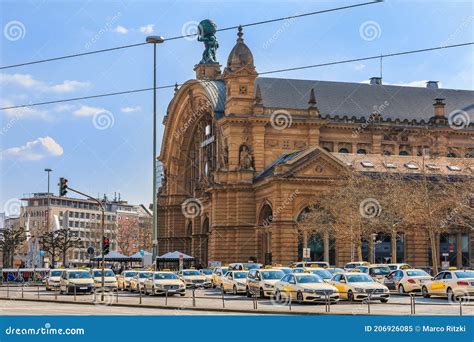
(312, 163)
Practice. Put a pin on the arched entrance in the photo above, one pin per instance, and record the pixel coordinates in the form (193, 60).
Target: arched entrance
(265, 235)
(315, 232)
(204, 242)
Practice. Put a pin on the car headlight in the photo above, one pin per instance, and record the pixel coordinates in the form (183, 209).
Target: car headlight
(359, 289)
(308, 291)
(240, 284)
(386, 289)
(159, 285)
(270, 286)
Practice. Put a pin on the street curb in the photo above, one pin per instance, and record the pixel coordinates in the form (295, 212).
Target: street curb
(263, 312)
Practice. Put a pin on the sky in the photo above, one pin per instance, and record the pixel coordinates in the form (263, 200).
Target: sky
(104, 145)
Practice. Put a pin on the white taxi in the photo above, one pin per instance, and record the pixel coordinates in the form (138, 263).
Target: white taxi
(305, 287)
(53, 279)
(235, 281)
(351, 265)
(137, 281)
(262, 281)
(406, 280)
(453, 283)
(110, 280)
(194, 278)
(217, 274)
(377, 272)
(355, 286)
(76, 280)
(323, 273)
(207, 273)
(164, 282)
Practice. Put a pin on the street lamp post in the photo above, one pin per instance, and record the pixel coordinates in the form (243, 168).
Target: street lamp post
(48, 170)
(154, 40)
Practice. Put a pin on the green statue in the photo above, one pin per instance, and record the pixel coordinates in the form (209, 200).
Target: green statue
(206, 33)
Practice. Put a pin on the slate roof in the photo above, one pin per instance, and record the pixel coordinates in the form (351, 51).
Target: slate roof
(360, 100)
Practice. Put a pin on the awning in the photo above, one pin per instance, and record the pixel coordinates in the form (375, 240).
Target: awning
(173, 256)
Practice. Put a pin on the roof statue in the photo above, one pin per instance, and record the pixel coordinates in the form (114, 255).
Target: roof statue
(206, 34)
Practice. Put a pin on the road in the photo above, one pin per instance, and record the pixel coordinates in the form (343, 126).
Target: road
(210, 301)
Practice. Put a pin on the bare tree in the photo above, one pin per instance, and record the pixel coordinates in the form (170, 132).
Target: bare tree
(128, 234)
(12, 238)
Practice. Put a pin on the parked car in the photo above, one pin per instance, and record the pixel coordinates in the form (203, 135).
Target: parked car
(406, 280)
(356, 286)
(305, 287)
(76, 281)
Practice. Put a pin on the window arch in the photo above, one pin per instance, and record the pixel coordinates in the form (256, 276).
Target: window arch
(361, 151)
(343, 150)
(403, 153)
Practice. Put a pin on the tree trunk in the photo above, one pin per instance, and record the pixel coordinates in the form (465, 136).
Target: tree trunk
(434, 251)
(394, 247)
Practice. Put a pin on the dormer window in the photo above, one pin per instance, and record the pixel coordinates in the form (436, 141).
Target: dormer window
(367, 164)
(390, 165)
(343, 150)
(432, 167)
(411, 166)
(453, 168)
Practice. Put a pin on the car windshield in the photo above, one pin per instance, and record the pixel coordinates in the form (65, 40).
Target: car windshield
(251, 266)
(359, 278)
(129, 274)
(376, 271)
(108, 273)
(191, 273)
(56, 273)
(285, 270)
(417, 273)
(224, 270)
(165, 276)
(468, 274)
(272, 274)
(322, 273)
(392, 267)
(240, 275)
(79, 275)
(206, 272)
(336, 270)
(144, 275)
(309, 278)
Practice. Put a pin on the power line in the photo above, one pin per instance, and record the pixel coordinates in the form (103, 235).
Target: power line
(366, 58)
(261, 73)
(188, 35)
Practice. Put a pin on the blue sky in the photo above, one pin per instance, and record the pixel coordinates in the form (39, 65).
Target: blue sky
(118, 158)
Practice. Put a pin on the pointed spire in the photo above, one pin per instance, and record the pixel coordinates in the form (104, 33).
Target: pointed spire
(312, 98)
(240, 34)
(258, 95)
(176, 88)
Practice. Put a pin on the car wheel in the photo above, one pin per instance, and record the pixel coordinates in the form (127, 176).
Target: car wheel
(384, 300)
(450, 294)
(234, 290)
(262, 293)
(299, 297)
(424, 292)
(350, 296)
(401, 289)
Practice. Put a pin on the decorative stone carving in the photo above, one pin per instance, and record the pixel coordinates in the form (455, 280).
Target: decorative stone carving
(245, 158)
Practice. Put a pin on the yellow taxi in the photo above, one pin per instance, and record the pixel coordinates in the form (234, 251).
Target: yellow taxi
(305, 287)
(52, 281)
(194, 278)
(207, 273)
(453, 283)
(123, 279)
(110, 280)
(377, 272)
(323, 273)
(217, 274)
(303, 264)
(355, 286)
(137, 281)
(406, 280)
(262, 281)
(235, 281)
(399, 266)
(163, 282)
(76, 280)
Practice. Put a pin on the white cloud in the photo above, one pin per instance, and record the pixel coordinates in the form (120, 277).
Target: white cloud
(131, 109)
(27, 81)
(359, 67)
(60, 108)
(24, 112)
(34, 150)
(121, 29)
(147, 29)
(89, 111)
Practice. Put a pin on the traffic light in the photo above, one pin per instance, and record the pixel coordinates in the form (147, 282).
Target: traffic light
(62, 186)
(105, 245)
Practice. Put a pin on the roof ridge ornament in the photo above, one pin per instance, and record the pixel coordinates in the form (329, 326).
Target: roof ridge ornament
(240, 33)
